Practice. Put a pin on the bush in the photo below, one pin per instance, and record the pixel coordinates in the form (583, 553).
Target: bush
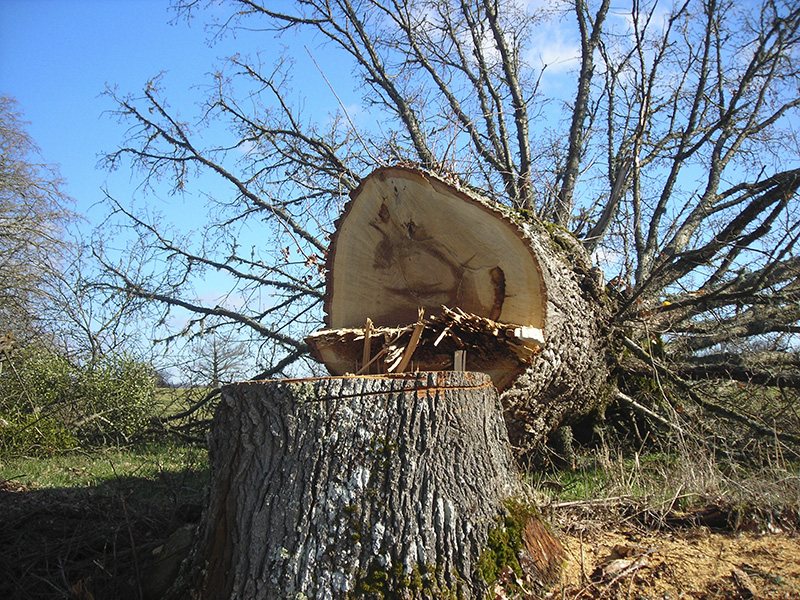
(49, 404)
(117, 399)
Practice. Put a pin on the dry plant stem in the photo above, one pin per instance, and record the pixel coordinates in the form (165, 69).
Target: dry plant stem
(631, 570)
(647, 412)
(707, 404)
(133, 546)
(590, 502)
(583, 561)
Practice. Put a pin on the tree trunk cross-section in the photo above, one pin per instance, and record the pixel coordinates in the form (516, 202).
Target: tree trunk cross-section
(357, 487)
(408, 241)
(529, 308)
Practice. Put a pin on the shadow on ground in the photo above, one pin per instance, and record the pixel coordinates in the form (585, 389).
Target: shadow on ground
(102, 541)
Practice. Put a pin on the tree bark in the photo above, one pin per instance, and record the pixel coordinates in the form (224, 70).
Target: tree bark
(360, 487)
(569, 378)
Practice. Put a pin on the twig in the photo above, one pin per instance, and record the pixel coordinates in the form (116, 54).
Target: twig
(22, 383)
(346, 114)
(707, 404)
(631, 570)
(5, 481)
(194, 407)
(133, 547)
(646, 411)
(583, 562)
(590, 502)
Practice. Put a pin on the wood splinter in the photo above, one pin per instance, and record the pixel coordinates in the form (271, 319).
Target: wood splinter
(460, 360)
(365, 358)
(412, 344)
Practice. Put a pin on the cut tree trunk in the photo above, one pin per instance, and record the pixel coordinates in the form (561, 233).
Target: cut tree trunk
(420, 272)
(377, 487)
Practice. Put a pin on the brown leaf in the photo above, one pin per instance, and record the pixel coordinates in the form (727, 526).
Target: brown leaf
(80, 590)
(747, 589)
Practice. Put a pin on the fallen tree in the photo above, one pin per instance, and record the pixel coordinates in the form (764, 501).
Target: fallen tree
(382, 482)
(684, 187)
(518, 299)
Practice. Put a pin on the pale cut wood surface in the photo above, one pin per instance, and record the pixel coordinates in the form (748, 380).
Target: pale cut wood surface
(408, 240)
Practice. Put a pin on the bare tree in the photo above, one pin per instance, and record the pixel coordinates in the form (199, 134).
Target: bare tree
(676, 163)
(49, 293)
(34, 211)
(698, 107)
(219, 360)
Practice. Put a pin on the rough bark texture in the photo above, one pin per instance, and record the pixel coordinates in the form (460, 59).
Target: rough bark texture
(358, 487)
(567, 379)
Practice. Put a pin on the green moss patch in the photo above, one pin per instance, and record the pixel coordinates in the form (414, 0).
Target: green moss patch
(395, 584)
(504, 544)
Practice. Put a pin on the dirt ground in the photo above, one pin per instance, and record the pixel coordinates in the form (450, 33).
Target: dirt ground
(87, 546)
(694, 563)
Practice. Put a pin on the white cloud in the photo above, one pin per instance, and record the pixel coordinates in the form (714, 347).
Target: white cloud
(608, 260)
(555, 44)
(557, 53)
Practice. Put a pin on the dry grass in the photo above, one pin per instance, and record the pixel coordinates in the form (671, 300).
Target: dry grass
(705, 510)
(685, 511)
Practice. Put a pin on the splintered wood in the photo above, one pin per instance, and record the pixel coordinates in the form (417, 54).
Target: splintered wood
(423, 276)
(433, 343)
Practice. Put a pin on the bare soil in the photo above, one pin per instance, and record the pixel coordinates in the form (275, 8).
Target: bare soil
(694, 563)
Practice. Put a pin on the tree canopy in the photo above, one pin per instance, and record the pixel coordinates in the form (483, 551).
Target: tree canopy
(34, 211)
(674, 160)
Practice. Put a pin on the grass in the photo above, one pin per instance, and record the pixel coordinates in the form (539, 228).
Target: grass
(81, 521)
(679, 476)
(79, 469)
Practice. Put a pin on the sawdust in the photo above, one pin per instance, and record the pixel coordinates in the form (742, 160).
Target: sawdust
(671, 565)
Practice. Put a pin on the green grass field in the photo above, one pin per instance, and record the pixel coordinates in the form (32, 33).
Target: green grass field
(158, 464)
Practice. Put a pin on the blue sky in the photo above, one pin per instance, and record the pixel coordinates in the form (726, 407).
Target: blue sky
(58, 56)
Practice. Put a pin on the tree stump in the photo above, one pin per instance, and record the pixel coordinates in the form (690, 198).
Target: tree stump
(374, 486)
